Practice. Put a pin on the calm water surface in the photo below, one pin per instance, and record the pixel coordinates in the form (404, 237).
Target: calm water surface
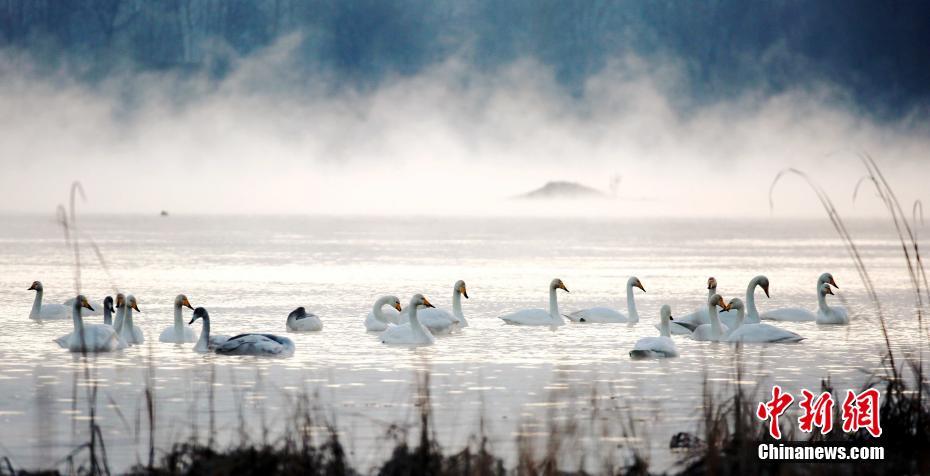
(249, 272)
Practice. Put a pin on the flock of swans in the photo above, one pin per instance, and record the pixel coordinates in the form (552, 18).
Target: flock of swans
(419, 323)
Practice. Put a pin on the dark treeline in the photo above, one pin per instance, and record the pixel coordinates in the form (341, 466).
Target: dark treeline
(875, 51)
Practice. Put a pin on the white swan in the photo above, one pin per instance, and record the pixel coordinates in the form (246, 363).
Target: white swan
(540, 317)
(377, 321)
(178, 333)
(268, 345)
(411, 334)
(830, 314)
(608, 315)
(120, 313)
(129, 332)
(797, 314)
(728, 318)
(206, 342)
(299, 320)
(89, 337)
(756, 332)
(657, 347)
(48, 311)
(440, 321)
(750, 315)
(715, 331)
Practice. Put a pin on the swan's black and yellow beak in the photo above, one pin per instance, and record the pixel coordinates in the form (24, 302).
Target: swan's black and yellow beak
(639, 285)
(86, 304)
(766, 290)
(827, 290)
(711, 283)
(397, 306)
(562, 287)
(833, 283)
(427, 303)
(187, 303)
(34, 287)
(464, 292)
(136, 307)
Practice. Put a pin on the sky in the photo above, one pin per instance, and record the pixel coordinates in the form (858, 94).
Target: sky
(458, 117)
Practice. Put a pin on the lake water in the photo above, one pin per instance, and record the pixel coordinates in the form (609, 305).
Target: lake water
(249, 272)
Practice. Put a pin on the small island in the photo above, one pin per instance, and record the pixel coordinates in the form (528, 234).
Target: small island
(563, 190)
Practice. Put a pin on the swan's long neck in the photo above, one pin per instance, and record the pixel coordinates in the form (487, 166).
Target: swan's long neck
(740, 317)
(76, 317)
(178, 321)
(714, 320)
(120, 318)
(457, 305)
(711, 292)
(631, 305)
(107, 315)
(376, 310)
(665, 328)
(36, 305)
(822, 302)
(554, 306)
(415, 322)
(204, 342)
(127, 319)
(751, 301)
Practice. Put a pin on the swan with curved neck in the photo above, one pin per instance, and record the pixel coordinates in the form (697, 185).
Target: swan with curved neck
(88, 337)
(826, 314)
(178, 333)
(608, 315)
(266, 345)
(376, 321)
(413, 333)
(661, 346)
(440, 321)
(540, 317)
(798, 314)
(299, 320)
(714, 331)
(756, 332)
(131, 333)
(120, 313)
(47, 311)
(750, 313)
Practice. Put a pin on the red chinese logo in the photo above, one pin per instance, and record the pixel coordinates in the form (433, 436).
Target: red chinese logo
(861, 411)
(817, 412)
(773, 409)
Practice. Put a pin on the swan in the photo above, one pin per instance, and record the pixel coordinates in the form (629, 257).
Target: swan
(206, 342)
(658, 347)
(413, 333)
(48, 311)
(797, 314)
(750, 315)
(606, 314)
(830, 314)
(89, 337)
(715, 331)
(243, 344)
(728, 318)
(178, 333)
(539, 317)
(689, 322)
(120, 313)
(440, 321)
(132, 334)
(756, 332)
(376, 321)
(108, 310)
(299, 320)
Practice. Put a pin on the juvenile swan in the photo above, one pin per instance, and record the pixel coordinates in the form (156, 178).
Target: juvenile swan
(539, 317)
(268, 345)
(657, 347)
(413, 333)
(377, 321)
(830, 314)
(179, 333)
(608, 315)
(299, 320)
(47, 311)
(206, 342)
(756, 333)
(88, 337)
(798, 314)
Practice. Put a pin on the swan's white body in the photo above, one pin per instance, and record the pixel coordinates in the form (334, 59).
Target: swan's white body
(413, 333)
(798, 314)
(540, 317)
(607, 315)
(299, 320)
(178, 333)
(440, 321)
(758, 332)
(657, 347)
(129, 332)
(377, 320)
(89, 337)
(715, 331)
(830, 315)
(40, 312)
